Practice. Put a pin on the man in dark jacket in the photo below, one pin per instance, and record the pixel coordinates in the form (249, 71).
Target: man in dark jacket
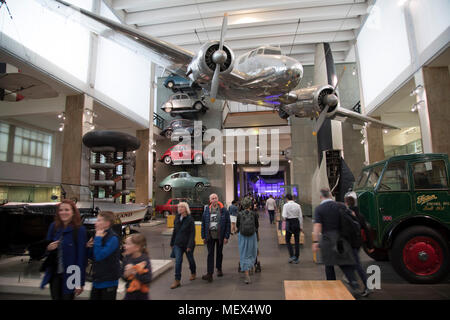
(106, 258)
(183, 241)
(216, 226)
(334, 249)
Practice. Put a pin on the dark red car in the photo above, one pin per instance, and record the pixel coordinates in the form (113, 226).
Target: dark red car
(181, 153)
(171, 208)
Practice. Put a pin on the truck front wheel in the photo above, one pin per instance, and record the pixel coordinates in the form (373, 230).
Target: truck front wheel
(420, 255)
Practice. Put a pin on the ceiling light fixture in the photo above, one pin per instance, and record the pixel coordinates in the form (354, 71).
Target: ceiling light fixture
(416, 90)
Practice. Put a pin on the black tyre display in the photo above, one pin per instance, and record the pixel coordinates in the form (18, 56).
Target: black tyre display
(167, 188)
(167, 160)
(420, 255)
(198, 106)
(199, 186)
(168, 134)
(198, 158)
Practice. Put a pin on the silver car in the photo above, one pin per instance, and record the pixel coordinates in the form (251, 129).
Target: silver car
(182, 101)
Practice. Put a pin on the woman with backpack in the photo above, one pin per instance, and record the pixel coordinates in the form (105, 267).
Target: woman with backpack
(66, 249)
(247, 225)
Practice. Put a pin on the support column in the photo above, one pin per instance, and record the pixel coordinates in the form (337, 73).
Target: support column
(75, 158)
(144, 156)
(437, 103)
(375, 143)
(141, 174)
(241, 182)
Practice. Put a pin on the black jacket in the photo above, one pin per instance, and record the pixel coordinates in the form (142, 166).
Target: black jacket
(107, 269)
(368, 241)
(183, 235)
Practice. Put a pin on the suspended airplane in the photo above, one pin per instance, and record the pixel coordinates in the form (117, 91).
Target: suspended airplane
(261, 77)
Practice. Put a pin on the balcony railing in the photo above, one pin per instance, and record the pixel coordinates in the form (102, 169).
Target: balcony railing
(158, 121)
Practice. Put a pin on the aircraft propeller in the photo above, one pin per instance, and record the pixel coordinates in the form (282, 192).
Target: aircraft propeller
(219, 57)
(331, 100)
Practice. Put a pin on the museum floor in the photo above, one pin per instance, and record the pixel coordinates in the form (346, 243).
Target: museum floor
(269, 283)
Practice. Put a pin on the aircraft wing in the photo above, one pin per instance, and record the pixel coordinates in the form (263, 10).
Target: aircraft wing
(343, 114)
(169, 56)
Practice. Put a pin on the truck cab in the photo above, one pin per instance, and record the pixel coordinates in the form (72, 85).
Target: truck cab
(406, 202)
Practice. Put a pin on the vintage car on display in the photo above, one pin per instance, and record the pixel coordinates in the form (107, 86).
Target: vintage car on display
(182, 103)
(406, 201)
(182, 154)
(175, 82)
(180, 127)
(170, 207)
(184, 180)
(24, 226)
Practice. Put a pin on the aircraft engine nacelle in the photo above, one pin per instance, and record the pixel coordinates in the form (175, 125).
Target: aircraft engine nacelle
(202, 66)
(309, 102)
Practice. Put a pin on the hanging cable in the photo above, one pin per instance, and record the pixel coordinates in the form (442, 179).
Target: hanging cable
(201, 18)
(195, 31)
(295, 35)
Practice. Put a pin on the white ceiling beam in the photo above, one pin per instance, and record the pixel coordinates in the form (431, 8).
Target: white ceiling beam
(308, 58)
(267, 31)
(144, 5)
(288, 12)
(305, 48)
(120, 14)
(284, 40)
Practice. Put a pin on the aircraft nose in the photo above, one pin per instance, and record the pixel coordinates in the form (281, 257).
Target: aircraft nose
(297, 70)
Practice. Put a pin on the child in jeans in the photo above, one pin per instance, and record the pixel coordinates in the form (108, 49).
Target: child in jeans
(136, 270)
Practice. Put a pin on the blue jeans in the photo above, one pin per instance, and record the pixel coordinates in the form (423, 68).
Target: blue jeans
(348, 270)
(179, 261)
(271, 215)
(362, 274)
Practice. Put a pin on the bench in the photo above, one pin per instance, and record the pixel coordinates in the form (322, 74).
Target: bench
(316, 290)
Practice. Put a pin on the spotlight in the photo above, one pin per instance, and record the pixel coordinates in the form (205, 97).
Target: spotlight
(416, 90)
(385, 131)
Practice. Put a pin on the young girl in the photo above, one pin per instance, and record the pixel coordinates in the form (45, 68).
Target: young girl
(137, 270)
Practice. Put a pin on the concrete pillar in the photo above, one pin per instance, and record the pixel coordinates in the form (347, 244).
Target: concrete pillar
(424, 119)
(75, 158)
(304, 157)
(141, 174)
(375, 143)
(241, 182)
(229, 186)
(144, 156)
(437, 84)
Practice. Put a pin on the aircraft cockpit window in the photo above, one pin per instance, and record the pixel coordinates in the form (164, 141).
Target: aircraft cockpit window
(260, 51)
(272, 51)
(252, 54)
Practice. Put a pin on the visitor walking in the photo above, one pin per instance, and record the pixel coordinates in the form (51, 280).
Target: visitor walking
(292, 213)
(137, 270)
(183, 242)
(334, 249)
(215, 233)
(271, 207)
(233, 210)
(247, 225)
(66, 248)
(350, 201)
(105, 254)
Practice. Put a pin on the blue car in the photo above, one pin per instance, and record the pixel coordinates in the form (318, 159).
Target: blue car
(175, 82)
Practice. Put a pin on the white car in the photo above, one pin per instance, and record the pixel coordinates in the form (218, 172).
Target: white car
(182, 101)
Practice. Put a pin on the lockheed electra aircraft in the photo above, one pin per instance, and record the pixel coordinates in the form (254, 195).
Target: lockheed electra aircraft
(261, 77)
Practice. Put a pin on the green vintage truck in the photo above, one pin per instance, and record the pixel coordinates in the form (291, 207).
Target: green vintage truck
(406, 201)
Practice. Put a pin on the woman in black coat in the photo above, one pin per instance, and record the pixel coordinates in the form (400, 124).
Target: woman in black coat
(183, 242)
